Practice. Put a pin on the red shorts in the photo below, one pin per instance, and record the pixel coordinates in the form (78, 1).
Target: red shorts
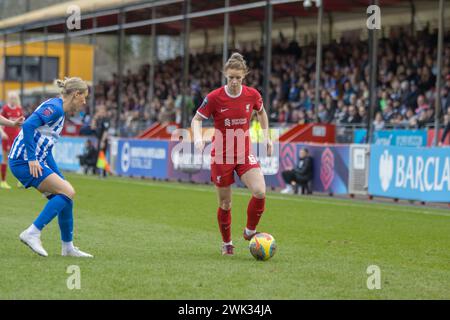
(223, 174)
(7, 144)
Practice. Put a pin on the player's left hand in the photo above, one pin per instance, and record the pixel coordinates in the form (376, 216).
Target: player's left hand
(199, 145)
(18, 122)
(269, 148)
(35, 168)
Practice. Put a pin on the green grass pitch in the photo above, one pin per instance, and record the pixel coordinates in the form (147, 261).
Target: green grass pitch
(159, 240)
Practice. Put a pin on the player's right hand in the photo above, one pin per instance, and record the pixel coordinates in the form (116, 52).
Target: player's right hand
(4, 135)
(199, 145)
(35, 168)
(18, 122)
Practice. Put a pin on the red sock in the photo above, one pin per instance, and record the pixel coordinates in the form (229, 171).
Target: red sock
(254, 212)
(3, 168)
(224, 219)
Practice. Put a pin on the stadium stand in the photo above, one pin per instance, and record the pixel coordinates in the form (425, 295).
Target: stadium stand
(406, 78)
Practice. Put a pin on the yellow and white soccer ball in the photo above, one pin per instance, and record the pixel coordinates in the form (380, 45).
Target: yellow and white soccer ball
(262, 246)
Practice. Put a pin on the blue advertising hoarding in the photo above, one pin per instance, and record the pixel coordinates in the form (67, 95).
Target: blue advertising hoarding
(410, 173)
(401, 138)
(143, 158)
(359, 135)
(397, 137)
(330, 167)
(67, 150)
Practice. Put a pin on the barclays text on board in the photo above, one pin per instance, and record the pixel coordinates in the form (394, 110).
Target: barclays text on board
(410, 173)
(414, 173)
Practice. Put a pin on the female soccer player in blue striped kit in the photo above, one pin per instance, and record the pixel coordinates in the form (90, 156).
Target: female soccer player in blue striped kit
(31, 161)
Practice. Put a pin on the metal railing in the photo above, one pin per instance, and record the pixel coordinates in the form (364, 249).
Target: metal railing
(345, 133)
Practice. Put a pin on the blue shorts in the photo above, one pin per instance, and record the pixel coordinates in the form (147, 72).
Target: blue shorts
(21, 171)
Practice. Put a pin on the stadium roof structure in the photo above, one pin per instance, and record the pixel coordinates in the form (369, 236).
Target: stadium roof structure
(169, 14)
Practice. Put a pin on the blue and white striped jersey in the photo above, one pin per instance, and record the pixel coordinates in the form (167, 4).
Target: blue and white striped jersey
(39, 132)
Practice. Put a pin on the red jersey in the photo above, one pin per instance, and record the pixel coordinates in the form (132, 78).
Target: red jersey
(11, 113)
(231, 115)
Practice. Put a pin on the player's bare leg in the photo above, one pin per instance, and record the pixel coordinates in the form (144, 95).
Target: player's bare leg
(224, 218)
(54, 184)
(254, 181)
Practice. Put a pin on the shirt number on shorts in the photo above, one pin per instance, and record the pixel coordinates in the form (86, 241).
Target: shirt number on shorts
(252, 159)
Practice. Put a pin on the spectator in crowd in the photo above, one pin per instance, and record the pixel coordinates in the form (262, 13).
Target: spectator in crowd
(353, 116)
(446, 128)
(88, 160)
(190, 107)
(411, 118)
(301, 117)
(399, 121)
(86, 129)
(168, 112)
(388, 112)
(101, 124)
(362, 114)
(422, 106)
(301, 176)
(285, 115)
(378, 123)
(322, 114)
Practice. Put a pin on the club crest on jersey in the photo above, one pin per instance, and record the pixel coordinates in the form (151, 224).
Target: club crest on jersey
(47, 112)
(247, 108)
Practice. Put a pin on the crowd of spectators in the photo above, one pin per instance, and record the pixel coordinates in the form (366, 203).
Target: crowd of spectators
(407, 70)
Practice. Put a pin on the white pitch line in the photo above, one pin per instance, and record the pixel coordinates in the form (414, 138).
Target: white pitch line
(341, 202)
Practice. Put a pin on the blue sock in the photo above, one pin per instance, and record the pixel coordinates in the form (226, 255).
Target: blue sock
(65, 221)
(53, 207)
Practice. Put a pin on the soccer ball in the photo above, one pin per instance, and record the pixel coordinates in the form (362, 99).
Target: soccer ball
(262, 246)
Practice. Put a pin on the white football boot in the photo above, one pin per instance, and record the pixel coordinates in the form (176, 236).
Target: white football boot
(75, 252)
(34, 242)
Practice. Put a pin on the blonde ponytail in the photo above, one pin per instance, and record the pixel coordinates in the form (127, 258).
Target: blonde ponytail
(71, 85)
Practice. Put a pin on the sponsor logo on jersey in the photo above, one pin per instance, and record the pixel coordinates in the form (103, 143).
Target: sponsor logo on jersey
(252, 159)
(235, 122)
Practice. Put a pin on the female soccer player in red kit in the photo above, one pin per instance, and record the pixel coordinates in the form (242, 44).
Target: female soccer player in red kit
(12, 111)
(231, 108)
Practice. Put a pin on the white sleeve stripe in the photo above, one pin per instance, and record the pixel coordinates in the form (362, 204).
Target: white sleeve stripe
(203, 116)
(262, 107)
